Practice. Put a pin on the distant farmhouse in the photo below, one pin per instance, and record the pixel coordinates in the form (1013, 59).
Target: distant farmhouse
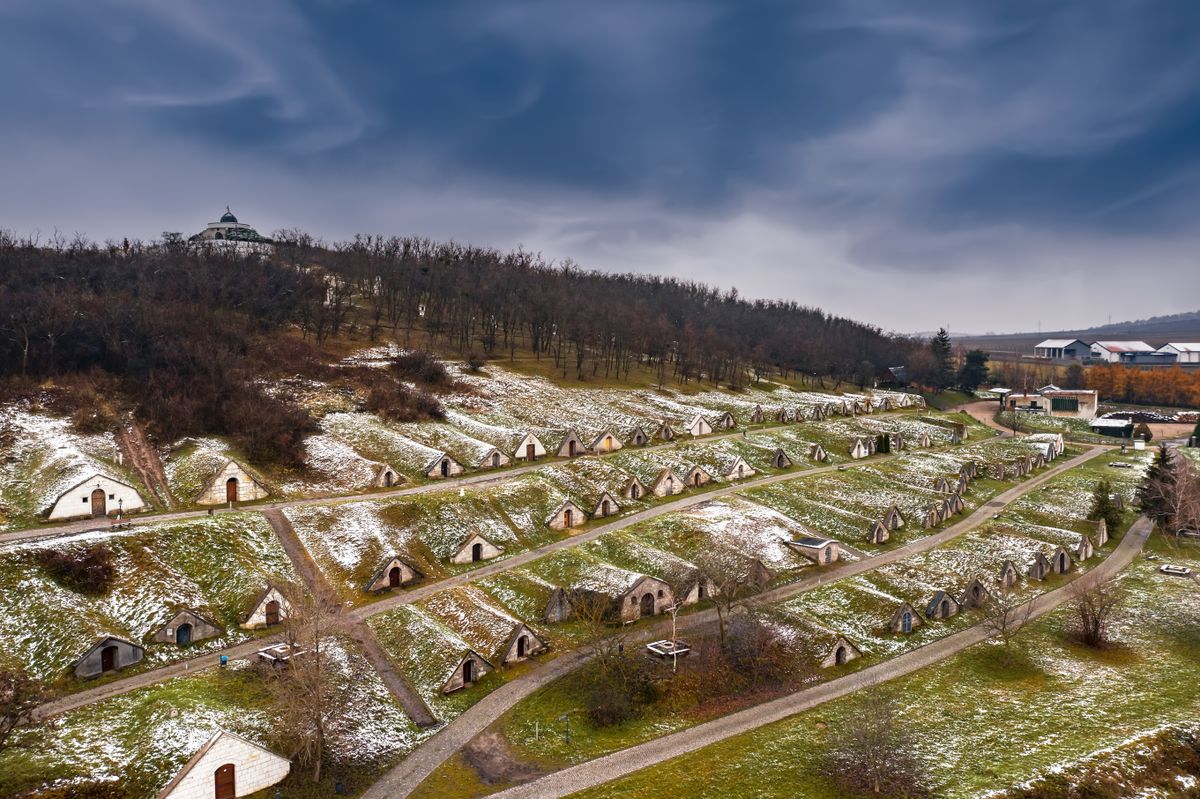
(1130, 353)
(1051, 400)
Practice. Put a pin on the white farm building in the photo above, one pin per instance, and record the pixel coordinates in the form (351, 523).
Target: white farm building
(97, 496)
(225, 767)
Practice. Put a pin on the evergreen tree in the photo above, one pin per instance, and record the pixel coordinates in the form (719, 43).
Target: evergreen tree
(1103, 506)
(943, 357)
(973, 371)
(1151, 496)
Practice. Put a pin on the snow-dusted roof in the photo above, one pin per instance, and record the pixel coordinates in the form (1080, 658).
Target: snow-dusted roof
(1058, 343)
(1194, 347)
(1124, 346)
(1113, 423)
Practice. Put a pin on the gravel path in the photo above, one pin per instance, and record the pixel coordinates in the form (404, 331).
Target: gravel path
(610, 767)
(420, 763)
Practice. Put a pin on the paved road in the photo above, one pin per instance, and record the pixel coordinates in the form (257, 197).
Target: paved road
(984, 412)
(619, 764)
(420, 763)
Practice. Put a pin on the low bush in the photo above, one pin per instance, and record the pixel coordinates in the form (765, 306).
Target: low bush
(86, 571)
(422, 367)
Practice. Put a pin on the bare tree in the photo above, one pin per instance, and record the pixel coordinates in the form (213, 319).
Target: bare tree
(606, 642)
(20, 696)
(307, 690)
(873, 753)
(1093, 610)
(1170, 495)
(1007, 613)
(732, 584)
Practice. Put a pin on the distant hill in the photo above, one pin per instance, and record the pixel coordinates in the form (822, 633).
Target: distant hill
(1156, 331)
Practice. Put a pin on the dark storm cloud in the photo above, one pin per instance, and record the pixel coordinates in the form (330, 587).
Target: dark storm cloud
(909, 164)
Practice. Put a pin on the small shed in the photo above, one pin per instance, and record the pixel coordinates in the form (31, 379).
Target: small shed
(606, 442)
(924, 441)
(1084, 549)
(699, 426)
(394, 574)
(932, 516)
(97, 496)
(492, 459)
(232, 483)
(628, 596)
(1039, 567)
(530, 449)
(859, 449)
(185, 627)
(1101, 533)
(270, 607)
(942, 485)
(893, 519)
(738, 469)
(821, 551)
(725, 421)
(469, 669)
(817, 453)
(973, 595)
(785, 415)
(385, 477)
(475, 548)
(571, 445)
(1009, 574)
(878, 533)
(955, 503)
(841, 653)
(780, 459)
(634, 488)
(566, 516)
(665, 432)
(107, 653)
(941, 606)
(226, 766)
(905, 619)
(606, 505)
(694, 587)
(637, 437)
(697, 476)
(667, 483)
(1060, 560)
(756, 415)
(522, 644)
(757, 573)
(443, 466)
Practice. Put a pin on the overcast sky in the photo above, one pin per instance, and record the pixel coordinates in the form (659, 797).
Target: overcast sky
(986, 166)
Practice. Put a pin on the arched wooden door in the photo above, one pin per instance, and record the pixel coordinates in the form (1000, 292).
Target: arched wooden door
(906, 622)
(568, 517)
(571, 448)
(522, 646)
(839, 657)
(647, 606)
(99, 503)
(604, 506)
(445, 467)
(272, 612)
(183, 634)
(395, 577)
(225, 782)
(495, 460)
(468, 671)
(530, 452)
(634, 492)
(945, 608)
(476, 552)
(108, 658)
(1062, 562)
(389, 479)
(231, 490)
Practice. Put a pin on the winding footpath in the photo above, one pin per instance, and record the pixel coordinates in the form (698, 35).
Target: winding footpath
(421, 762)
(627, 761)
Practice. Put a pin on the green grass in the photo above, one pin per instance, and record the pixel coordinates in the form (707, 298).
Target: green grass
(946, 399)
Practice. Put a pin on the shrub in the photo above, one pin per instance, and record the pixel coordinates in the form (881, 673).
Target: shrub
(86, 571)
(85, 790)
(1142, 431)
(608, 704)
(475, 361)
(399, 403)
(422, 367)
